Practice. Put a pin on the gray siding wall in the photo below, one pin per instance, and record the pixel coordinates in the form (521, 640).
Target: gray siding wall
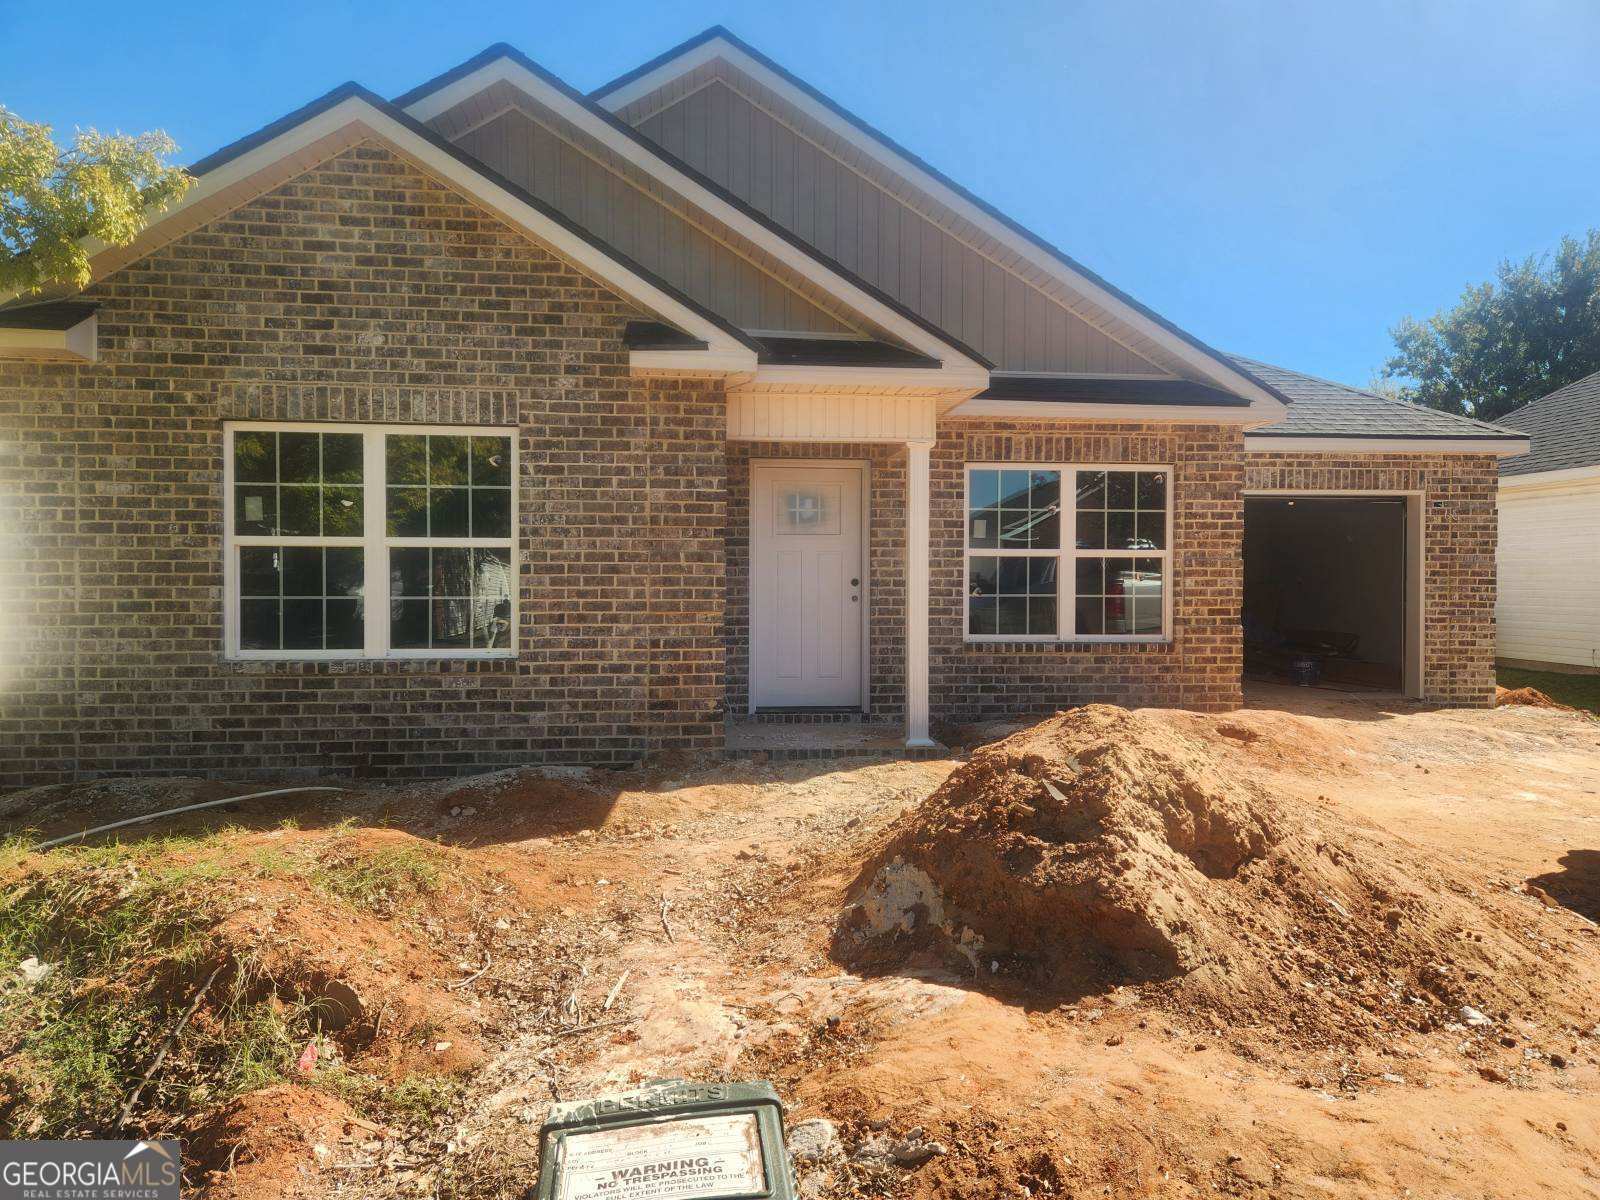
(613, 209)
(878, 236)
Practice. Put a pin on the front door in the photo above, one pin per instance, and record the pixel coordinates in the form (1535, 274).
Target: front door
(806, 597)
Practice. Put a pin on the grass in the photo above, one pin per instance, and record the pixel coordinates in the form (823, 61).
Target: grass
(417, 1100)
(126, 929)
(1580, 691)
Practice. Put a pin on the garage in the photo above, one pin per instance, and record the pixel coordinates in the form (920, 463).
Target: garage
(1331, 589)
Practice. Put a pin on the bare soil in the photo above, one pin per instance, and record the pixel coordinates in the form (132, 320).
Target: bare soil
(1239, 955)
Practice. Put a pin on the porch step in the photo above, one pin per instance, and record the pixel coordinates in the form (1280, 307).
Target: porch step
(807, 716)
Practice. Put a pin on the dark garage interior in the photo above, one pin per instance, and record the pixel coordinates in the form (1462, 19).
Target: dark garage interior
(1324, 590)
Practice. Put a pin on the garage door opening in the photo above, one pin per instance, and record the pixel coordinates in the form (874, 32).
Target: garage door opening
(1326, 595)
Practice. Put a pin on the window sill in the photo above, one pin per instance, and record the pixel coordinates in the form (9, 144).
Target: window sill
(1044, 643)
(314, 657)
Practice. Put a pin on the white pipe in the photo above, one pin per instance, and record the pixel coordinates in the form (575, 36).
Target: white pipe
(172, 812)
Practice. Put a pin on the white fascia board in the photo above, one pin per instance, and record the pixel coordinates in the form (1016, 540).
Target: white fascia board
(721, 345)
(693, 361)
(954, 378)
(1272, 408)
(1544, 479)
(79, 343)
(1052, 410)
(1506, 447)
(509, 71)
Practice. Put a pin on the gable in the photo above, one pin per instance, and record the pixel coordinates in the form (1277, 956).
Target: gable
(873, 231)
(532, 153)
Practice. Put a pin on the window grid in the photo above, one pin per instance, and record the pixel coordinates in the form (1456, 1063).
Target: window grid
(487, 612)
(1141, 596)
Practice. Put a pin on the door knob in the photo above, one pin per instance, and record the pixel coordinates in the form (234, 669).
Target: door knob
(855, 583)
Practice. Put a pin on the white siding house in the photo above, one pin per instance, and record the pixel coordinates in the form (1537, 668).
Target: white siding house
(1547, 610)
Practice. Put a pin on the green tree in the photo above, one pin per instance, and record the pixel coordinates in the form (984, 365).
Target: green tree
(1533, 329)
(102, 187)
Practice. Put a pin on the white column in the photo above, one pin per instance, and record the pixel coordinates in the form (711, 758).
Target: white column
(917, 565)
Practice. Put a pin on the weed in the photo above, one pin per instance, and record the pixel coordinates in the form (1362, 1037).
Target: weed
(381, 879)
(417, 1100)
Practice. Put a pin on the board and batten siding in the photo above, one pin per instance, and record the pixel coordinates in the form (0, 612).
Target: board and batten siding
(613, 209)
(1548, 606)
(878, 236)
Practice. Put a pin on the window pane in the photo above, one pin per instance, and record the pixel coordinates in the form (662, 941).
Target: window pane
(1045, 490)
(1042, 616)
(447, 512)
(983, 530)
(341, 512)
(1119, 489)
(1015, 529)
(299, 512)
(258, 624)
(1013, 576)
(343, 568)
(1014, 489)
(1118, 615)
(1047, 531)
(1152, 532)
(452, 573)
(408, 624)
(1091, 531)
(1013, 615)
(1042, 576)
(341, 458)
(302, 571)
(258, 571)
(255, 456)
(983, 576)
(1090, 616)
(406, 458)
(408, 572)
(408, 512)
(1091, 489)
(447, 460)
(1147, 615)
(451, 623)
(1119, 531)
(491, 512)
(255, 510)
(343, 626)
(491, 597)
(1152, 489)
(984, 487)
(302, 624)
(298, 458)
(1091, 577)
(491, 461)
(981, 615)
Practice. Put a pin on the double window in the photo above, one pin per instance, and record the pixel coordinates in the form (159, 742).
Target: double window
(369, 541)
(1068, 553)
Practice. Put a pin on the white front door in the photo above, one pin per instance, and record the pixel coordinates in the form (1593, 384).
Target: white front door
(806, 598)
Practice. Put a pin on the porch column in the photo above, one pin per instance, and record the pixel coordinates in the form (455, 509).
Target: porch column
(918, 451)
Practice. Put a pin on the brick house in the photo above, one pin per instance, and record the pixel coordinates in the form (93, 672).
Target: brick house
(501, 423)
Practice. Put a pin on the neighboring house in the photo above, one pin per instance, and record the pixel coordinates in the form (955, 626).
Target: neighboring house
(1548, 610)
(500, 423)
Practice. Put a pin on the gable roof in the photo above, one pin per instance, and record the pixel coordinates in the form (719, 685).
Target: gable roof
(718, 42)
(349, 113)
(503, 61)
(1322, 409)
(1565, 427)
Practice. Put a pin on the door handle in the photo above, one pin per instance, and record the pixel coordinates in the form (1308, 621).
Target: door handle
(855, 583)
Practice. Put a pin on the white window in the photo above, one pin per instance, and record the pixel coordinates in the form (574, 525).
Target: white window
(1069, 553)
(369, 541)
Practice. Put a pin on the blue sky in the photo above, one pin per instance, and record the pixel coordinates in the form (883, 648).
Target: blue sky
(1284, 179)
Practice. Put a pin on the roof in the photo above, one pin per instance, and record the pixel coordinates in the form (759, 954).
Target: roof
(658, 155)
(54, 314)
(1322, 408)
(1565, 426)
(838, 352)
(719, 33)
(1065, 390)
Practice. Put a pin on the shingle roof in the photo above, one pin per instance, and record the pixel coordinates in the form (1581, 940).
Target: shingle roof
(1321, 408)
(1565, 426)
(1067, 390)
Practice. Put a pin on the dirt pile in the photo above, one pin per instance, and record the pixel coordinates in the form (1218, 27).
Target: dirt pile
(1529, 696)
(1105, 847)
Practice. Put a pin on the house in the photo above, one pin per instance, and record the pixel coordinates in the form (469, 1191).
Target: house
(499, 423)
(1548, 608)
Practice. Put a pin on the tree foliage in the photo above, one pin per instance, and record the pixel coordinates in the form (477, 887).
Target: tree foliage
(1533, 329)
(102, 187)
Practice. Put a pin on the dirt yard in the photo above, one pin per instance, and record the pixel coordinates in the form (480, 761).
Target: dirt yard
(1320, 947)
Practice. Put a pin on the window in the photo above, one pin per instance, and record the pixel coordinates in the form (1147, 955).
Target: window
(364, 541)
(1062, 553)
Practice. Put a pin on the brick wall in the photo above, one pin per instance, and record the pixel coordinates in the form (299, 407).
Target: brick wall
(886, 558)
(1199, 668)
(359, 291)
(1459, 527)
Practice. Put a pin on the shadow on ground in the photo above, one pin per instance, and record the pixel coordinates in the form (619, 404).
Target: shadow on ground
(1576, 885)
